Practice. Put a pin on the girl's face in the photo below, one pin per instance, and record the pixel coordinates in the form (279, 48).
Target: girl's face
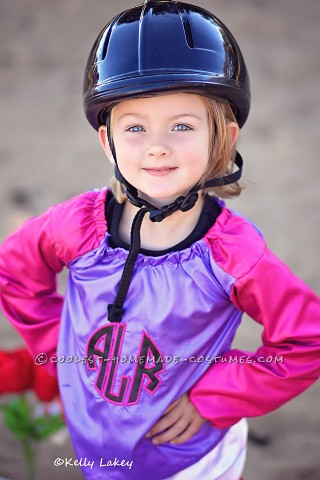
(161, 143)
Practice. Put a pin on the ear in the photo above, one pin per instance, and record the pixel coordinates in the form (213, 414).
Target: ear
(233, 133)
(104, 142)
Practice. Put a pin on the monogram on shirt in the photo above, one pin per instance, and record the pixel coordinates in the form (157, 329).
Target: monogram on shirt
(104, 353)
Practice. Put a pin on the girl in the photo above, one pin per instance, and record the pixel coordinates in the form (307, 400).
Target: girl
(161, 272)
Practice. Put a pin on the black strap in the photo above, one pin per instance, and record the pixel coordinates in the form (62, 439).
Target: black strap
(227, 179)
(116, 310)
(181, 203)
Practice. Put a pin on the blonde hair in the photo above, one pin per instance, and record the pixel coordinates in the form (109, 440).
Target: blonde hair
(221, 155)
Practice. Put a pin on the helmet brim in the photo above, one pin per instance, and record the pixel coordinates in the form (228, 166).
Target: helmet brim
(219, 88)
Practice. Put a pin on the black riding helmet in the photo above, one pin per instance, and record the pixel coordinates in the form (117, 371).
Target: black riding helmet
(157, 47)
(162, 46)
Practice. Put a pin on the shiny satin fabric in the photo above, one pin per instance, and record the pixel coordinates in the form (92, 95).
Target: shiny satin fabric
(182, 311)
(225, 462)
(188, 331)
(288, 361)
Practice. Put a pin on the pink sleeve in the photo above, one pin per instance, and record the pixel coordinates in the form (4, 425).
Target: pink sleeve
(290, 314)
(31, 258)
(28, 268)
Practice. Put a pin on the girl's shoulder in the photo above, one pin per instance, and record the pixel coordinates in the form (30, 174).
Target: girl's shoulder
(78, 225)
(235, 243)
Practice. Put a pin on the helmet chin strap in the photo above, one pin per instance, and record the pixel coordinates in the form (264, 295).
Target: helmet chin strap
(156, 214)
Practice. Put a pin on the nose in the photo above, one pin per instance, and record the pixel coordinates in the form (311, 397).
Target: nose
(158, 148)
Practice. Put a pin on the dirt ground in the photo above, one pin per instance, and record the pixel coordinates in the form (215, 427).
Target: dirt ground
(49, 153)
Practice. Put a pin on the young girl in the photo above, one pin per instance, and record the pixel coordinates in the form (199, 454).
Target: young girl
(161, 272)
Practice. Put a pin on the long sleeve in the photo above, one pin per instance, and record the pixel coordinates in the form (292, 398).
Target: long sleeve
(28, 268)
(31, 258)
(290, 314)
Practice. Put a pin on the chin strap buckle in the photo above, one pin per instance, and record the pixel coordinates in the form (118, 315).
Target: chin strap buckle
(181, 203)
(188, 201)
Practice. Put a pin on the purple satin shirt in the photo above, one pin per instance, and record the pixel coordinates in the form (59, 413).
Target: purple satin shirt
(179, 316)
(181, 313)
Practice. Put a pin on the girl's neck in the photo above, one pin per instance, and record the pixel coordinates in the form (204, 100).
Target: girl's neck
(163, 235)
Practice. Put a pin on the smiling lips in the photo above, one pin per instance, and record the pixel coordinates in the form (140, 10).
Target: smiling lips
(161, 171)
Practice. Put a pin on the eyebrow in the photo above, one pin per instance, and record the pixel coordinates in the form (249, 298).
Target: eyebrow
(139, 115)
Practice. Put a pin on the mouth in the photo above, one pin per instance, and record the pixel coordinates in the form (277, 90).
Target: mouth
(160, 171)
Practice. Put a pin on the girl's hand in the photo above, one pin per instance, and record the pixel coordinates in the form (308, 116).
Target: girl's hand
(180, 422)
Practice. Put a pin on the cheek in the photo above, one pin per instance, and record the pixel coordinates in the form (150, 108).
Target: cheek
(127, 152)
(203, 148)
(196, 151)
(128, 144)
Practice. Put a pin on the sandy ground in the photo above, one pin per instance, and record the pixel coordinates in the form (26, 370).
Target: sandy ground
(48, 153)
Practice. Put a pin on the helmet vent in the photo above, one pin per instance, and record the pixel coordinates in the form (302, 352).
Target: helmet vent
(108, 34)
(187, 30)
(105, 45)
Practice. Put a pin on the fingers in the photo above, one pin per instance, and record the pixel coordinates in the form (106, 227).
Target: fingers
(178, 424)
(180, 431)
(189, 432)
(173, 405)
(166, 421)
(173, 432)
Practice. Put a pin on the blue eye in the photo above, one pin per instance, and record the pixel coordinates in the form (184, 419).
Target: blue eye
(181, 127)
(135, 128)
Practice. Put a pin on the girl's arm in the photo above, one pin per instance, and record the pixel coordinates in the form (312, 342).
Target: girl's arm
(290, 314)
(28, 267)
(31, 258)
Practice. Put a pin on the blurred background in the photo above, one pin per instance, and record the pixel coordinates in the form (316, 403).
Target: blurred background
(48, 153)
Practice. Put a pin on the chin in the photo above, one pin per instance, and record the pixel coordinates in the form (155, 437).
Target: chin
(160, 198)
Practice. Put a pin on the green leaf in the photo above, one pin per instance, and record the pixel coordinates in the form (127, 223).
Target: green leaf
(18, 418)
(47, 425)
(19, 406)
